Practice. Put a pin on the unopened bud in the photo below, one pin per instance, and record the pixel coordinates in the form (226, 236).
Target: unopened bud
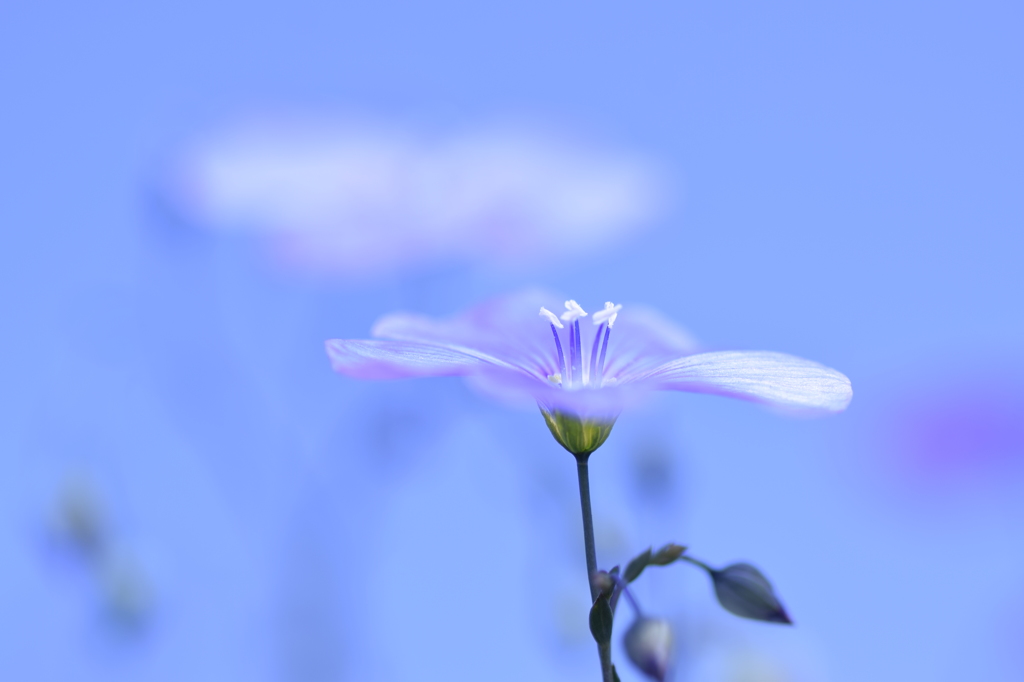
(127, 591)
(80, 518)
(649, 646)
(742, 589)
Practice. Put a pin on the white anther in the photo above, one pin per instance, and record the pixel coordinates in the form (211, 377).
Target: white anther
(573, 311)
(555, 378)
(609, 314)
(552, 318)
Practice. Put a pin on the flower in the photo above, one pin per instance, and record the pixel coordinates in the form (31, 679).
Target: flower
(344, 198)
(581, 376)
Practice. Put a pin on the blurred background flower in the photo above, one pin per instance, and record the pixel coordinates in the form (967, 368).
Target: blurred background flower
(365, 200)
(952, 433)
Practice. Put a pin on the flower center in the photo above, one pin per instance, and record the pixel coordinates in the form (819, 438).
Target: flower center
(578, 373)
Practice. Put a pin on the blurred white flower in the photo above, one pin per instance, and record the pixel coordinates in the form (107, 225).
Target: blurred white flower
(349, 199)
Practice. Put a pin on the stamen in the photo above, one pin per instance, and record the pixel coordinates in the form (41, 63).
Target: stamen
(593, 353)
(551, 317)
(555, 326)
(609, 314)
(572, 355)
(573, 311)
(604, 350)
(577, 355)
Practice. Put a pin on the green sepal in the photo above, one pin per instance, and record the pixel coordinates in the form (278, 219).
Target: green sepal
(577, 435)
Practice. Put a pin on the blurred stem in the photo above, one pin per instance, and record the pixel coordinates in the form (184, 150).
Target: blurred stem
(604, 651)
(622, 588)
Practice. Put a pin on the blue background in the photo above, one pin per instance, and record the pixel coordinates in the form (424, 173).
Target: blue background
(849, 189)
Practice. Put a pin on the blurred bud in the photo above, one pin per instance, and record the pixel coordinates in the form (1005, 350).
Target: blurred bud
(126, 590)
(742, 589)
(667, 554)
(649, 645)
(80, 517)
(602, 582)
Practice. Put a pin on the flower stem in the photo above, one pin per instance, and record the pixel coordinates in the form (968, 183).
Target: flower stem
(604, 651)
(697, 562)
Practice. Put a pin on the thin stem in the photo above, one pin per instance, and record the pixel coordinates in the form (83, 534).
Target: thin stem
(604, 651)
(697, 562)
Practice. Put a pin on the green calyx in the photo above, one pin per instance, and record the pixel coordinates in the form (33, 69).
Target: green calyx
(577, 435)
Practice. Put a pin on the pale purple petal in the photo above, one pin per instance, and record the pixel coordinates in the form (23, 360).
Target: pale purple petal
(511, 329)
(373, 359)
(521, 390)
(508, 328)
(775, 379)
(505, 347)
(642, 340)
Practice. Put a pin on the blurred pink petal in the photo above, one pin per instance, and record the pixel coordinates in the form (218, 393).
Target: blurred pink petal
(960, 428)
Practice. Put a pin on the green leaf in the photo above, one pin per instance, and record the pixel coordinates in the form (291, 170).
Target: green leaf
(601, 620)
(637, 566)
(667, 554)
